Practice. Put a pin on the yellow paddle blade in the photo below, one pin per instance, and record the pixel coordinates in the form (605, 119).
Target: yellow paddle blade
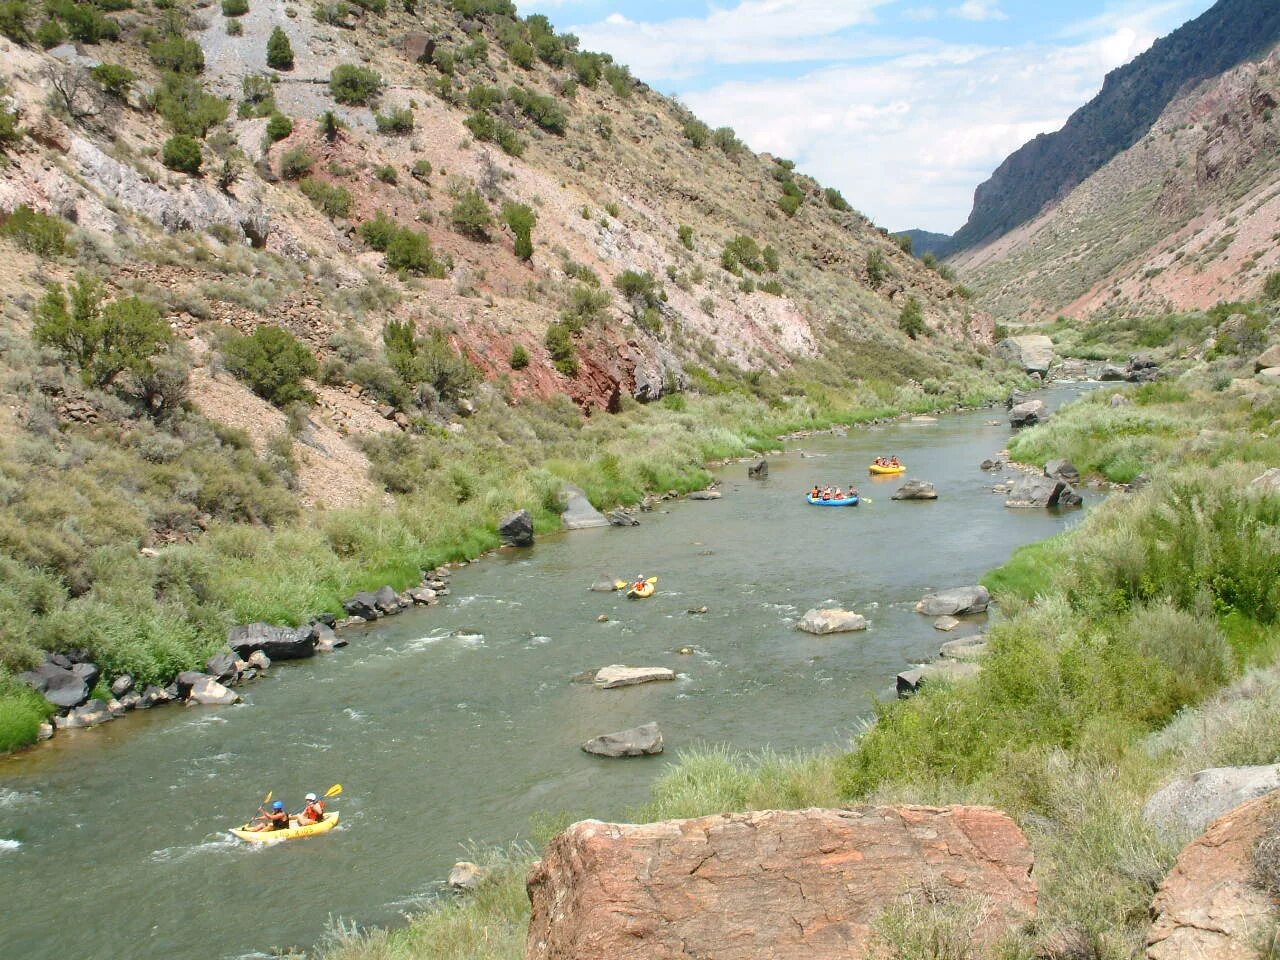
(333, 791)
(267, 798)
(619, 584)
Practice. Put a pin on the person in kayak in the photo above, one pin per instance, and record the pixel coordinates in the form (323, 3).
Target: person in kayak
(277, 818)
(313, 812)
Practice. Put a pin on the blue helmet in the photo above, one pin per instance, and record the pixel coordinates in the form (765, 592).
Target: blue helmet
(278, 805)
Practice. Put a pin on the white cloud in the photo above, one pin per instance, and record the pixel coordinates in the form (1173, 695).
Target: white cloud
(920, 14)
(978, 10)
(907, 139)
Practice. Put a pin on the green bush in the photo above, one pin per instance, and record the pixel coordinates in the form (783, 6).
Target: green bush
(521, 54)
(177, 54)
(491, 129)
(696, 132)
(330, 126)
(559, 343)
(50, 33)
(519, 357)
(742, 251)
(421, 170)
(911, 319)
(84, 22)
(22, 711)
(727, 141)
(354, 86)
(387, 174)
(186, 107)
(38, 233)
(483, 98)
(395, 121)
(521, 219)
(379, 232)
(428, 360)
(257, 97)
(15, 17)
(470, 215)
(278, 127)
(685, 236)
(789, 203)
(235, 8)
(234, 28)
(273, 363)
(296, 163)
(1271, 286)
(333, 201)
(877, 269)
(410, 252)
(543, 110)
(836, 200)
(279, 50)
(586, 306)
(619, 79)
(182, 153)
(100, 339)
(115, 80)
(10, 131)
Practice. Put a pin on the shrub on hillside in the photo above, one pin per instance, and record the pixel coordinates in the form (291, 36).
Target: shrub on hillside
(697, 132)
(410, 252)
(235, 8)
(332, 200)
(177, 54)
(727, 141)
(685, 236)
(257, 97)
(279, 50)
(15, 20)
(10, 131)
(470, 215)
(38, 233)
(543, 110)
(519, 357)
(354, 86)
(742, 251)
(330, 126)
(387, 174)
(911, 319)
(521, 219)
(296, 163)
(836, 200)
(84, 22)
(182, 153)
(490, 129)
(559, 344)
(397, 121)
(273, 363)
(427, 360)
(115, 80)
(99, 339)
(878, 269)
(186, 107)
(278, 127)
(1271, 286)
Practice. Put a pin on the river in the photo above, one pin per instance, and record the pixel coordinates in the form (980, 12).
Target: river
(456, 724)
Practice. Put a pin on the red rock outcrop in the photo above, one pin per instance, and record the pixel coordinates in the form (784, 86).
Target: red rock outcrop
(1208, 907)
(779, 884)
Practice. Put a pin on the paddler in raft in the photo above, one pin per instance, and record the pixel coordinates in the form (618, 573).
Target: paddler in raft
(313, 812)
(277, 818)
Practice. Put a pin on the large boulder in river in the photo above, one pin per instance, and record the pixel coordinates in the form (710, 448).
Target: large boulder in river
(785, 884)
(916, 490)
(1030, 491)
(956, 602)
(210, 692)
(616, 675)
(386, 600)
(88, 714)
(516, 529)
(1211, 904)
(278, 643)
(758, 470)
(1189, 804)
(363, 605)
(578, 512)
(225, 666)
(831, 620)
(640, 741)
(1062, 470)
(62, 687)
(1028, 414)
(1033, 352)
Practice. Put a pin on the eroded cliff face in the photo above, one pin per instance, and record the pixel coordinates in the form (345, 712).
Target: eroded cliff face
(1183, 219)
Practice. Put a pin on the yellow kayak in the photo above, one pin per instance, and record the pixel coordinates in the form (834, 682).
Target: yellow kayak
(879, 470)
(640, 591)
(293, 833)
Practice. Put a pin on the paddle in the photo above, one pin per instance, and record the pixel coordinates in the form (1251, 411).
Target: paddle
(334, 791)
(262, 807)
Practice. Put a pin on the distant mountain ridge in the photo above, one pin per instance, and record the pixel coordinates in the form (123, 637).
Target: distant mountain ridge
(1133, 96)
(925, 241)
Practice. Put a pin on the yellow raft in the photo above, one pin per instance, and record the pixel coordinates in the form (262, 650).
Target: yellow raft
(639, 591)
(879, 470)
(293, 833)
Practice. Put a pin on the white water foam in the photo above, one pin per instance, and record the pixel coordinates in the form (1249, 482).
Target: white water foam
(7, 846)
(421, 643)
(18, 798)
(184, 852)
(470, 639)
(354, 714)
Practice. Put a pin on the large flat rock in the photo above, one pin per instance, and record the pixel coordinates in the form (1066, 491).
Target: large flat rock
(955, 602)
(642, 741)
(578, 513)
(831, 620)
(1033, 352)
(1209, 905)
(783, 885)
(616, 675)
(1189, 804)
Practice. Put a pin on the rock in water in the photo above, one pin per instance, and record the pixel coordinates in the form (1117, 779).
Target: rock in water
(363, 605)
(1209, 905)
(224, 666)
(639, 741)
(758, 470)
(783, 885)
(956, 602)
(965, 648)
(89, 714)
(465, 875)
(604, 585)
(578, 513)
(621, 517)
(831, 620)
(386, 600)
(1028, 414)
(946, 624)
(210, 692)
(1033, 352)
(278, 643)
(1031, 492)
(916, 490)
(516, 529)
(1062, 470)
(1189, 804)
(704, 495)
(616, 675)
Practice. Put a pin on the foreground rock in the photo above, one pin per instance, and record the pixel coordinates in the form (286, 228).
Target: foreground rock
(516, 529)
(1062, 470)
(1267, 359)
(831, 620)
(1028, 414)
(578, 513)
(88, 714)
(1031, 492)
(1267, 482)
(965, 648)
(61, 686)
(1209, 905)
(704, 495)
(910, 681)
(278, 643)
(758, 470)
(1033, 352)
(946, 624)
(622, 517)
(783, 885)
(916, 490)
(956, 602)
(466, 875)
(640, 741)
(210, 692)
(616, 675)
(1189, 804)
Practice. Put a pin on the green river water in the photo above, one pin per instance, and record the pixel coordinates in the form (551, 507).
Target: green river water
(456, 724)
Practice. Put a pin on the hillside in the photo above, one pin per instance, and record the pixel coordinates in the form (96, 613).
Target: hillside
(301, 300)
(1182, 220)
(1045, 170)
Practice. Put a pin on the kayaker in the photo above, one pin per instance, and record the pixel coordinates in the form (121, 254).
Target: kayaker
(313, 812)
(816, 492)
(277, 818)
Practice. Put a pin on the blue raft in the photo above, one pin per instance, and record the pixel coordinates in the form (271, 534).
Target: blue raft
(846, 502)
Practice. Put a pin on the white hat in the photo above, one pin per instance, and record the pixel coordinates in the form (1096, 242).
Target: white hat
(309, 797)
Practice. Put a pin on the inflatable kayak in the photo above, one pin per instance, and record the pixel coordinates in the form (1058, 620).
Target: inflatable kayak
(879, 470)
(845, 502)
(293, 833)
(643, 590)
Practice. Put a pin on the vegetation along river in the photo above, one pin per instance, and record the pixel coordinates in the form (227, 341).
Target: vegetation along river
(458, 723)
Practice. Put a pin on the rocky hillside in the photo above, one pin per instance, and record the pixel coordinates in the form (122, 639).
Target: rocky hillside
(1183, 219)
(1045, 170)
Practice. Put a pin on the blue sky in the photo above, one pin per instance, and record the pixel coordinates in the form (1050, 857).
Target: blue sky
(904, 105)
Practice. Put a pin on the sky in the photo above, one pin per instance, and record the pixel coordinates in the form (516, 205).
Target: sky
(903, 105)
